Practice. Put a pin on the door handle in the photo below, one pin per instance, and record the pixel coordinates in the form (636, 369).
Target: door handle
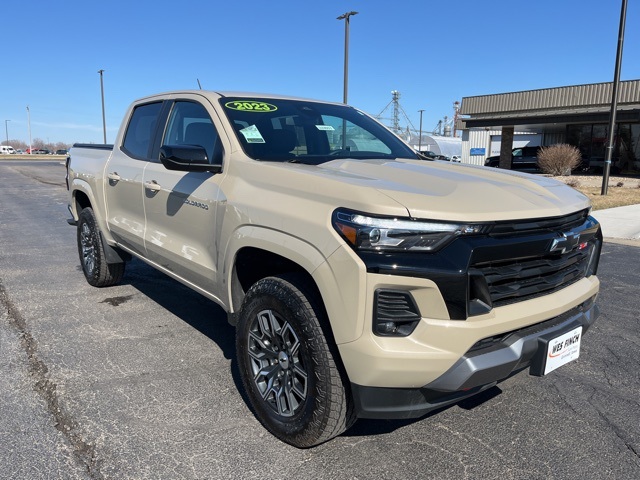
(114, 176)
(153, 186)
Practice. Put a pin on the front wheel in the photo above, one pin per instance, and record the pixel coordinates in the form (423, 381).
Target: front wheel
(287, 366)
(96, 270)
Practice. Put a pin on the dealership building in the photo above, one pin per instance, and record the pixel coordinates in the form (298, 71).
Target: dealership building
(577, 115)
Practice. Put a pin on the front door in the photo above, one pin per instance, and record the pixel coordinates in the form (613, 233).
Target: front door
(180, 207)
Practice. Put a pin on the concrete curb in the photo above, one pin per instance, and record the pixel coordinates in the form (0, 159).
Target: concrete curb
(620, 222)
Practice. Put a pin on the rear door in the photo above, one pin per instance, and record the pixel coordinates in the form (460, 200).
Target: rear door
(124, 191)
(181, 207)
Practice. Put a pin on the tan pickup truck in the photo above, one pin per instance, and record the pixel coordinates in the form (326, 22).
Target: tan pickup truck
(362, 280)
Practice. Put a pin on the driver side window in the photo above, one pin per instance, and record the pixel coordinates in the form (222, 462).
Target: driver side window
(190, 124)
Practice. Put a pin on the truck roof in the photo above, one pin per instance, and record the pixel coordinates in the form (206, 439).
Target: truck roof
(236, 94)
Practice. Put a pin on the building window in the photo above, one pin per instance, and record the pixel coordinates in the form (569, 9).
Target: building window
(591, 140)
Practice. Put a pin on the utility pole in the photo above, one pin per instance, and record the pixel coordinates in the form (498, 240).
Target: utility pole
(104, 122)
(614, 101)
(29, 126)
(420, 137)
(345, 17)
(6, 130)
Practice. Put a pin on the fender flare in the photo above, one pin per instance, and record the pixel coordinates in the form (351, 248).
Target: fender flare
(80, 185)
(280, 243)
(307, 257)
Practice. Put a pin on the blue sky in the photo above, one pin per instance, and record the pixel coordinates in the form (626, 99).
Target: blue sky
(432, 52)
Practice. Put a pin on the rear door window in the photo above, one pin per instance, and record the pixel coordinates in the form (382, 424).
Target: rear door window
(141, 129)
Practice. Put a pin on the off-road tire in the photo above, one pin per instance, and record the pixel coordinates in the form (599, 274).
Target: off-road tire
(94, 264)
(287, 365)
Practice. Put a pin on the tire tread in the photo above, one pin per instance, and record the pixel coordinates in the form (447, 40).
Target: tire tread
(105, 274)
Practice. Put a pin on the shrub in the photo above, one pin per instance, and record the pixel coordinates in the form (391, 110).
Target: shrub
(558, 159)
(620, 184)
(573, 183)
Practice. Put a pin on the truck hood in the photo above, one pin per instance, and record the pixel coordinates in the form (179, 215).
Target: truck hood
(459, 192)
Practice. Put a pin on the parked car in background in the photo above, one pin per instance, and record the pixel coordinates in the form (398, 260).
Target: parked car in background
(38, 151)
(596, 165)
(456, 158)
(7, 150)
(522, 158)
(63, 151)
(430, 155)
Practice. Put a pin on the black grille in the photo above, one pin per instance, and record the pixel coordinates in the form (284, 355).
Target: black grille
(395, 305)
(515, 280)
(564, 223)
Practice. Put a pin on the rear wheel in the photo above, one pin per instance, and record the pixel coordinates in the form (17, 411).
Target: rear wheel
(287, 366)
(96, 270)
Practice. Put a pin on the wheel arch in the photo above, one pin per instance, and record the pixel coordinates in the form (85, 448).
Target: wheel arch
(82, 198)
(80, 201)
(255, 253)
(338, 279)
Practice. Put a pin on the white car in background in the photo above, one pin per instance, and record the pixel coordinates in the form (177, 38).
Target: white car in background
(6, 150)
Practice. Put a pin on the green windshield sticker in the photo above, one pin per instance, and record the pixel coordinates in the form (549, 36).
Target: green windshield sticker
(251, 106)
(252, 134)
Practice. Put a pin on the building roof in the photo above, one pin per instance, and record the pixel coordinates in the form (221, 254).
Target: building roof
(579, 103)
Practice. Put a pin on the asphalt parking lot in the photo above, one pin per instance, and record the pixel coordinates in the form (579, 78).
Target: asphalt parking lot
(139, 380)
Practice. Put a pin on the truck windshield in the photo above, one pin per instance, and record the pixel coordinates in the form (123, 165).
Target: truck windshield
(309, 132)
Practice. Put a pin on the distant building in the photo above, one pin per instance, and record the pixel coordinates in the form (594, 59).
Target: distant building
(577, 115)
(447, 146)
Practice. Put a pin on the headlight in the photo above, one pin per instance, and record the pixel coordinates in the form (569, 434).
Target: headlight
(365, 232)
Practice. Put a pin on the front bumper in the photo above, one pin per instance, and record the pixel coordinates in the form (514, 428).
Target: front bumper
(483, 366)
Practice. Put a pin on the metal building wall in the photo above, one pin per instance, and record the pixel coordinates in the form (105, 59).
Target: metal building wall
(578, 96)
(553, 138)
(476, 139)
(482, 139)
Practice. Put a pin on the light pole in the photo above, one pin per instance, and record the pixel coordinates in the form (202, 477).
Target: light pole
(29, 126)
(614, 101)
(6, 130)
(420, 137)
(104, 122)
(345, 17)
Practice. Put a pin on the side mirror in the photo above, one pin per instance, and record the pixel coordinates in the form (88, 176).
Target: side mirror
(188, 158)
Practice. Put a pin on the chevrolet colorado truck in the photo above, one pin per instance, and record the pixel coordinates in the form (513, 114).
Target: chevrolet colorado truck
(363, 281)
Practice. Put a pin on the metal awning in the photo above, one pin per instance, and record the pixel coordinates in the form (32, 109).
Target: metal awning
(575, 104)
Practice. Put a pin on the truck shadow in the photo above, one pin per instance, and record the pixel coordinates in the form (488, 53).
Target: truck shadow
(192, 308)
(199, 312)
